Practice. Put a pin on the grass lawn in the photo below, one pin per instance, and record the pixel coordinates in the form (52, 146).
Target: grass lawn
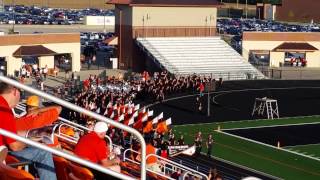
(310, 149)
(266, 159)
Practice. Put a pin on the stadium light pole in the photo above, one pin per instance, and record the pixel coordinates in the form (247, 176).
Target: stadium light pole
(14, 15)
(104, 18)
(246, 9)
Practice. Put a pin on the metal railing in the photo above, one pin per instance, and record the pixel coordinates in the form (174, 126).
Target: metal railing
(77, 127)
(167, 165)
(83, 111)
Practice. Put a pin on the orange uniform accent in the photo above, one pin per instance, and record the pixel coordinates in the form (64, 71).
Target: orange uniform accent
(68, 131)
(151, 150)
(162, 127)
(38, 121)
(148, 127)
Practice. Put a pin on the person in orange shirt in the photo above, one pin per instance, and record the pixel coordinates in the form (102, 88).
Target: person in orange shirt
(162, 127)
(37, 117)
(148, 128)
(152, 161)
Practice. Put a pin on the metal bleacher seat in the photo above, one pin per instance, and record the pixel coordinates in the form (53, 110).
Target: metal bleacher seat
(61, 166)
(79, 173)
(9, 173)
(200, 55)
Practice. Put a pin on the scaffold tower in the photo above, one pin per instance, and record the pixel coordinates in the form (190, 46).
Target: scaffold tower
(262, 105)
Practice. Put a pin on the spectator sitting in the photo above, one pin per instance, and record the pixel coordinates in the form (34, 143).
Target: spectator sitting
(37, 117)
(9, 98)
(152, 161)
(100, 153)
(213, 174)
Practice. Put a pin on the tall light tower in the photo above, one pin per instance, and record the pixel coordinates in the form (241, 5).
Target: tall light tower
(1, 5)
(246, 9)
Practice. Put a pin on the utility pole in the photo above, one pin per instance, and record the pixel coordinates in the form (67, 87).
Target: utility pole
(104, 19)
(246, 9)
(14, 15)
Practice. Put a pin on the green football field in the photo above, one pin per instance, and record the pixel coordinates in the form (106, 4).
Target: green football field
(273, 161)
(310, 150)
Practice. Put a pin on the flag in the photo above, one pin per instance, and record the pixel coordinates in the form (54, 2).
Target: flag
(129, 110)
(109, 105)
(143, 110)
(135, 114)
(112, 115)
(190, 151)
(168, 121)
(106, 112)
(137, 107)
(121, 118)
(150, 113)
(145, 118)
(160, 116)
(131, 121)
(155, 120)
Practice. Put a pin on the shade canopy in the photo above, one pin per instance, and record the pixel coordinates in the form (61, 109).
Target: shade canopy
(297, 47)
(36, 50)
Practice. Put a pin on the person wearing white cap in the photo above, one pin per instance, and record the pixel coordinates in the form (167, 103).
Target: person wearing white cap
(93, 147)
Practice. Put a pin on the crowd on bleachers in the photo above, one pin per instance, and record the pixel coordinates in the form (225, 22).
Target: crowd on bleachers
(114, 98)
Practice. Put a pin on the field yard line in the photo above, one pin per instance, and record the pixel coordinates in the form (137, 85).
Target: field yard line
(281, 125)
(242, 166)
(254, 120)
(257, 142)
(301, 145)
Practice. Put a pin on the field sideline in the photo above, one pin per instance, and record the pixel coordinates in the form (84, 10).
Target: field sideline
(263, 158)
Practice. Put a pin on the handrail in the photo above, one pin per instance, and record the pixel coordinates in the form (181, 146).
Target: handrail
(64, 155)
(177, 164)
(88, 113)
(165, 161)
(67, 122)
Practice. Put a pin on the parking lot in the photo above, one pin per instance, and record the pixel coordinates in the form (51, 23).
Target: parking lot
(20, 14)
(236, 27)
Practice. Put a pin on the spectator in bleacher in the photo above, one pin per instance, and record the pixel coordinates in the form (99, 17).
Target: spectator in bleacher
(100, 153)
(209, 145)
(37, 117)
(213, 174)
(9, 98)
(201, 88)
(152, 161)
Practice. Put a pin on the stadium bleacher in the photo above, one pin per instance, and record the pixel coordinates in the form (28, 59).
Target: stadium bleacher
(199, 55)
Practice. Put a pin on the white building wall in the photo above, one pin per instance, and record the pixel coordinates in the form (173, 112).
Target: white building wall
(61, 48)
(99, 20)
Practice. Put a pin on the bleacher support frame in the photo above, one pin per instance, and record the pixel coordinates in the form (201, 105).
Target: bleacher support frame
(165, 161)
(83, 111)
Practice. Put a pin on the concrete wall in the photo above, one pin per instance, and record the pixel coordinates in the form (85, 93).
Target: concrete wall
(72, 48)
(15, 63)
(276, 58)
(99, 20)
(174, 16)
(313, 58)
(258, 45)
(46, 60)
